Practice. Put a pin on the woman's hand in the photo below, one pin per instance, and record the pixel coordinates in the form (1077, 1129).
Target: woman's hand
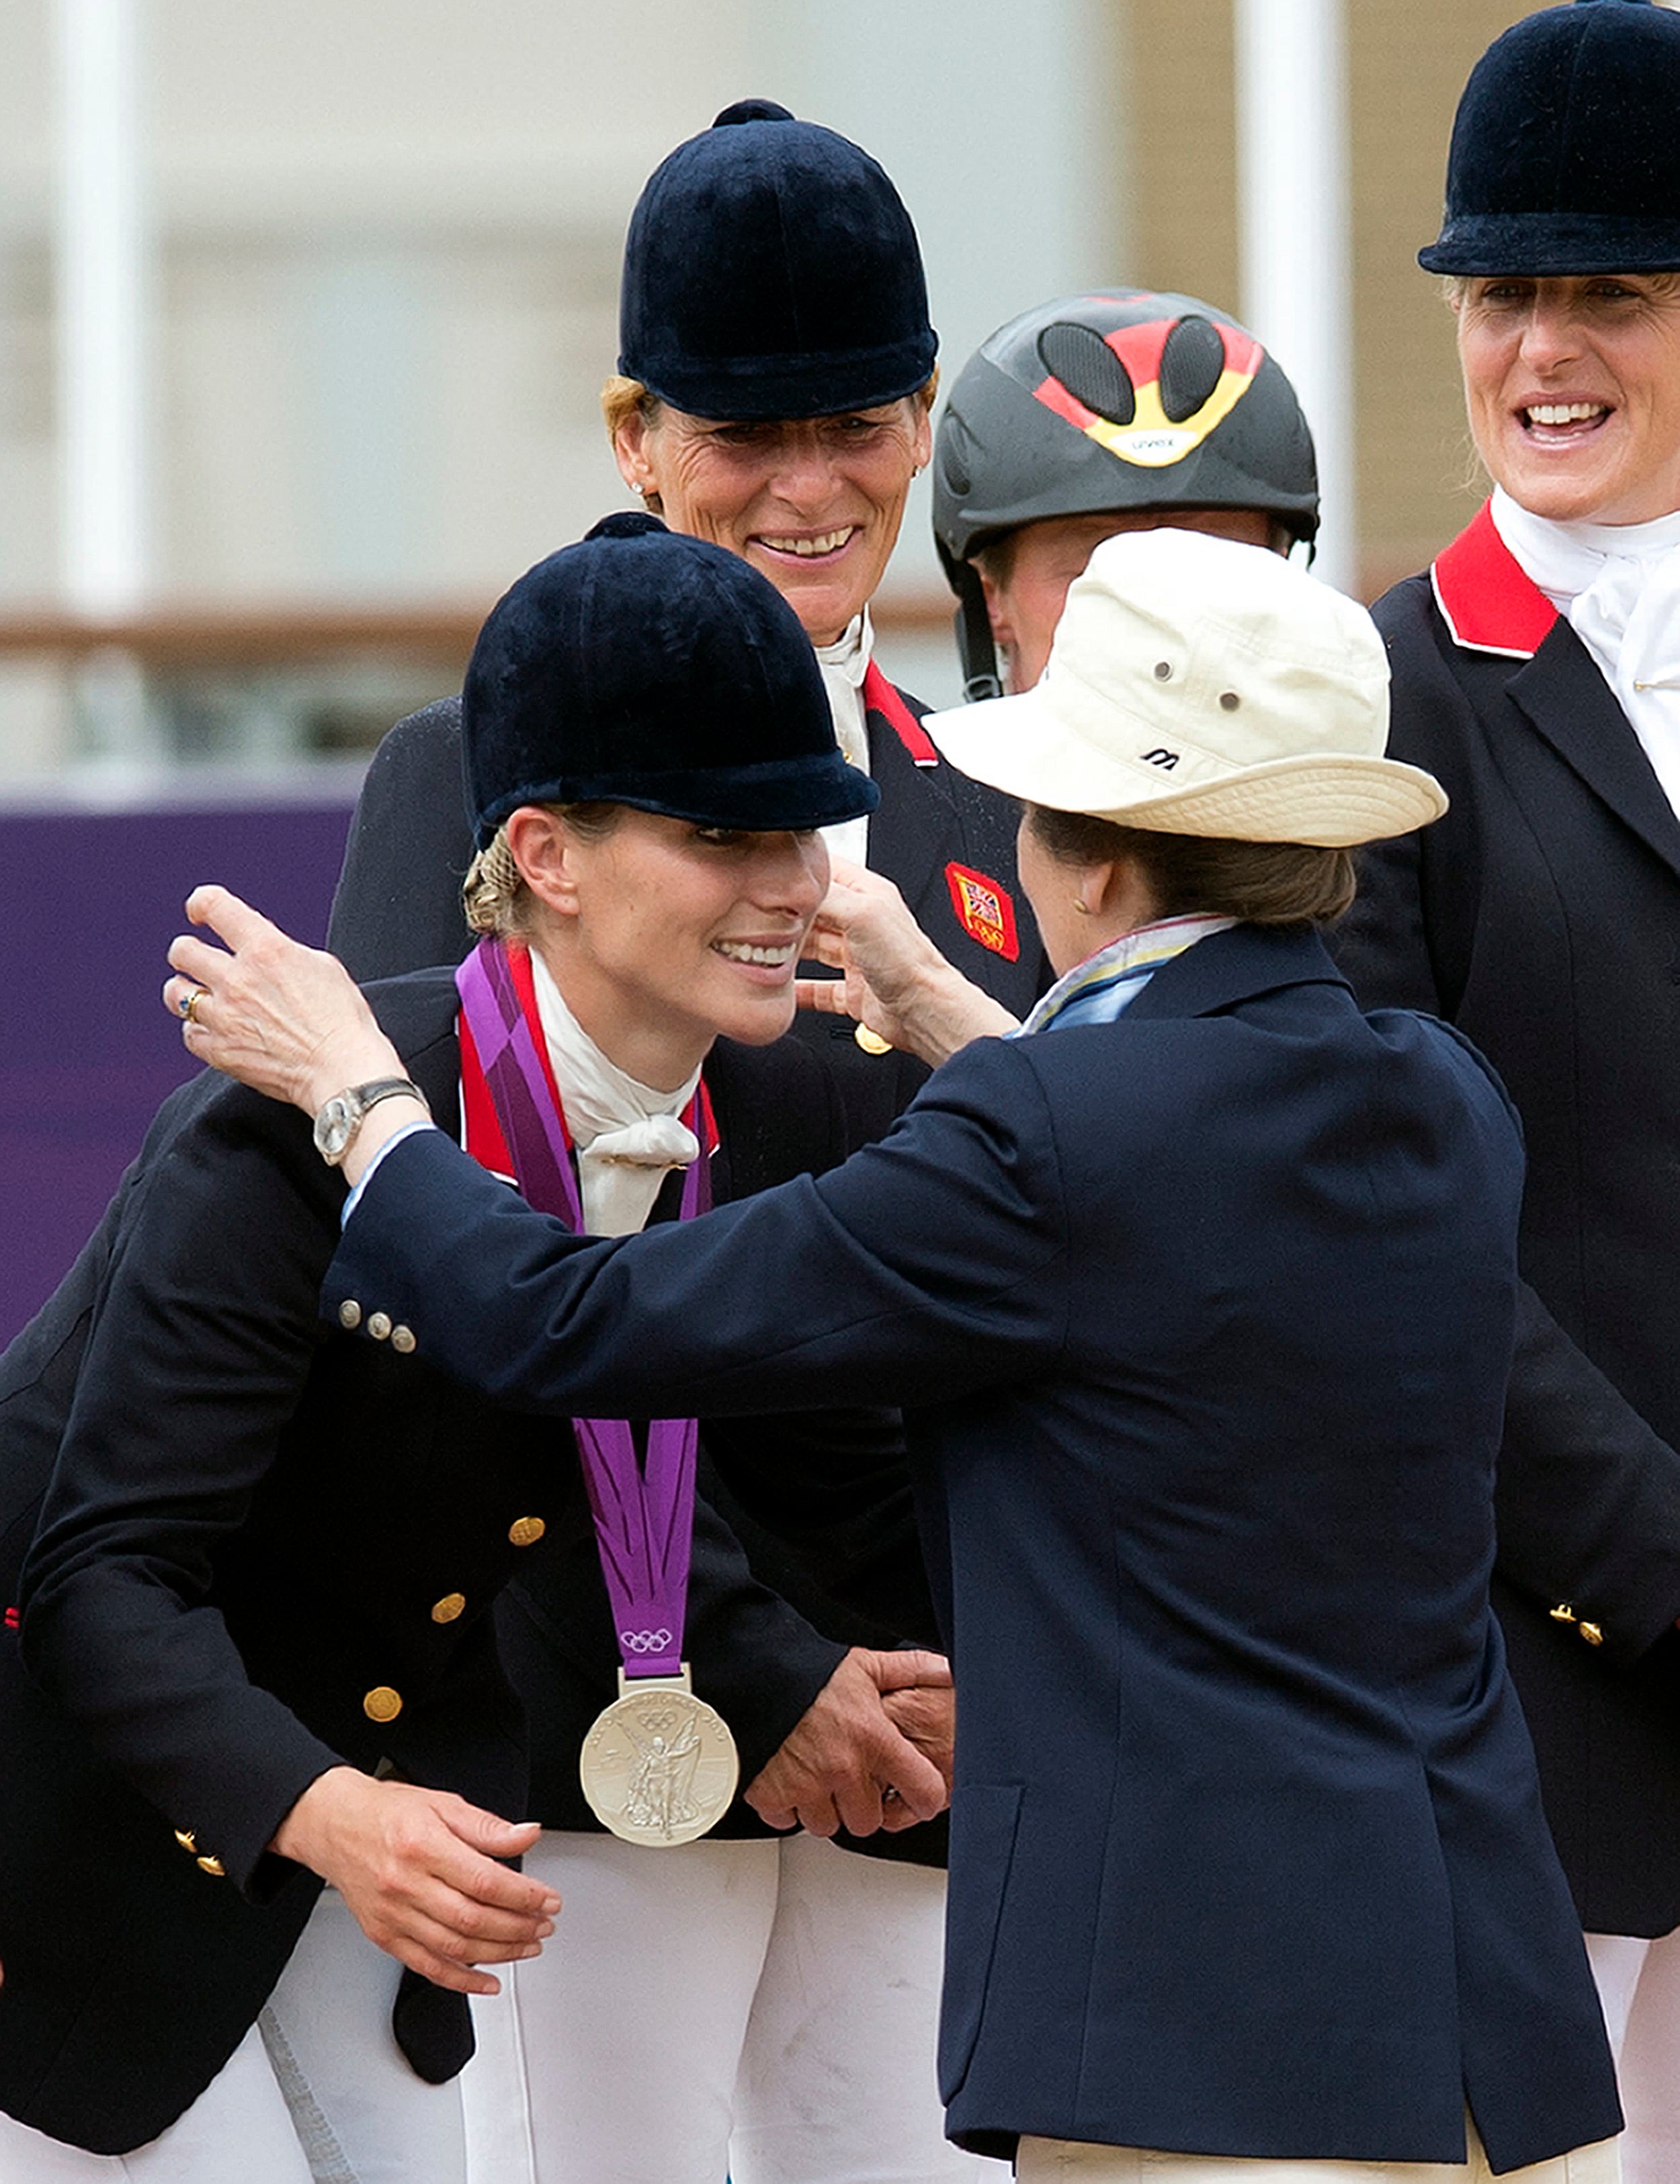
(283, 1018)
(846, 1763)
(893, 980)
(418, 1869)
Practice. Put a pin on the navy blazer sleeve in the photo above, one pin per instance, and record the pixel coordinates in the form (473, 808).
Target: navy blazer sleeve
(190, 1371)
(1588, 1494)
(916, 1274)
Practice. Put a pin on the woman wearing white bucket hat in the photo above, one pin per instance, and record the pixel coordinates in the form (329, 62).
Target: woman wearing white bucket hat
(1199, 1300)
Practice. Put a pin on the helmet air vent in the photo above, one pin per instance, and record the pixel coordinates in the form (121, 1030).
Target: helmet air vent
(1193, 358)
(1089, 370)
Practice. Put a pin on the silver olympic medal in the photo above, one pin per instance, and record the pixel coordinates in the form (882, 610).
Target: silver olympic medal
(659, 1766)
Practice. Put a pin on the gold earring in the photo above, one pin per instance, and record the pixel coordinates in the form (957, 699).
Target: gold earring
(1081, 906)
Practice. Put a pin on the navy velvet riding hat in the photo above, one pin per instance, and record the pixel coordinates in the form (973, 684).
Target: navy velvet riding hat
(1566, 152)
(644, 667)
(771, 270)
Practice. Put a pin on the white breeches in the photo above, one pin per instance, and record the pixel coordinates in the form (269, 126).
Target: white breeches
(317, 2093)
(761, 2010)
(1639, 1986)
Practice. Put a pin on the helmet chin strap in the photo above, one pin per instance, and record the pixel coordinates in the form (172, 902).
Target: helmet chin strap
(974, 646)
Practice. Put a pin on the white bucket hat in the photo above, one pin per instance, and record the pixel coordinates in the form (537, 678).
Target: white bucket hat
(1198, 687)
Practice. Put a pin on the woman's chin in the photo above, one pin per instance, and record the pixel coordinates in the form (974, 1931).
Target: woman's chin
(761, 1020)
(827, 594)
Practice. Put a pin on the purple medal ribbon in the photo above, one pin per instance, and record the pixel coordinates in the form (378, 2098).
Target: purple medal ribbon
(644, 1515)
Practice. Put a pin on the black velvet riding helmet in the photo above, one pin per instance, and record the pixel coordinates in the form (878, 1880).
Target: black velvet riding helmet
(1565, 151)
(771, 270)
(644, 667)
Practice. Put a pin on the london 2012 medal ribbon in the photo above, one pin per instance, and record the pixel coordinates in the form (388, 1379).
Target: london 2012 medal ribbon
(659, 1765)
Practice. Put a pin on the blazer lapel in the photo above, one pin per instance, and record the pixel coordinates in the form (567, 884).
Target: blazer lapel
(915, 831)
(1562, 694)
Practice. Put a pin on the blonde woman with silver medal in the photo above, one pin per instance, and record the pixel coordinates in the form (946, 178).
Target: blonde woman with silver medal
(249, 1648)
(628, 2046)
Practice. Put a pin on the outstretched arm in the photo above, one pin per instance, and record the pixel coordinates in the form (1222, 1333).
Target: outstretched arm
(912, 1274)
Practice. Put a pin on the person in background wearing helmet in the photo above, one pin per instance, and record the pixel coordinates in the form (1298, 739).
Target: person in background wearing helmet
(1126, 409)
(1536, 672)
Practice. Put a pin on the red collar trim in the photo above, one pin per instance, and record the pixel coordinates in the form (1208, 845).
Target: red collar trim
(1486, 601)
(483, 1132)
(879, 697)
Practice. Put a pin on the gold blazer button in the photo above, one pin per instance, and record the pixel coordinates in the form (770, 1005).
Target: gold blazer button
(382, 1703)
(188, 1841)
(350, 1315)
(214, 1867)
(526, 1531)
(447, 1609)
(403, 1341)
(379, 1325)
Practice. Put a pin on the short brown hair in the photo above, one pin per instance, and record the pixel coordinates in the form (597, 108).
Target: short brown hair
(1260, 882)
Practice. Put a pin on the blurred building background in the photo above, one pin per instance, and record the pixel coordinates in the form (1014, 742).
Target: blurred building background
(376, 298)
(382, 239)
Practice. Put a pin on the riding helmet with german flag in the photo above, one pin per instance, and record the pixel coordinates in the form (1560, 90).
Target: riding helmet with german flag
(1123, 399)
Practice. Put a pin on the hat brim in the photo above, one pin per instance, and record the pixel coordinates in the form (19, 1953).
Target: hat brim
(758, 390)
(1330, 800)
(776, 797)
(1541, 244)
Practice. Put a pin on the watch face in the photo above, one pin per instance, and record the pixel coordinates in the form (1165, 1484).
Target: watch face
(333, 1126)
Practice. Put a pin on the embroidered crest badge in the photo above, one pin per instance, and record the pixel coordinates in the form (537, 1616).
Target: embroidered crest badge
(983, 910)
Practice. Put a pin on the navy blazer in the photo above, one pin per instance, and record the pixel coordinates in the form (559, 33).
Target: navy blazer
(1201, 1319)
(250, 1535)
(1542, 915)
(399, 901)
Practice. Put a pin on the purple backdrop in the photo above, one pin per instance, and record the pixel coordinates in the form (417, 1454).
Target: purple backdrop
(88, 902)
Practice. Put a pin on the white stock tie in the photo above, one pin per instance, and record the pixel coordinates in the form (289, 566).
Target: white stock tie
(628, 1136)
(1619, 587)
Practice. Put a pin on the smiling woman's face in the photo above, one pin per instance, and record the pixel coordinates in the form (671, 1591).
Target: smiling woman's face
(1572, 384)
(663, 935)
(813, 502)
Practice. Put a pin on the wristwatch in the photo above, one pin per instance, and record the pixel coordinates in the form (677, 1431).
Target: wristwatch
(339, 1120)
